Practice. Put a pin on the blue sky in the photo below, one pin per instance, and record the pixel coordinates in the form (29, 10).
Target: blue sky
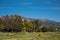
(40, 9)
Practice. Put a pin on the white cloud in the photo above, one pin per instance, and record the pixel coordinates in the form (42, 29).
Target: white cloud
(54, 0)
(26, 3)
(46, 2)
(52, 8)
(56, 8)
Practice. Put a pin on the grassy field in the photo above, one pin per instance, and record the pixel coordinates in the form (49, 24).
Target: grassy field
(30, 36)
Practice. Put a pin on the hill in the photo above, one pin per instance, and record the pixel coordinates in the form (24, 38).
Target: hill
(15, 23)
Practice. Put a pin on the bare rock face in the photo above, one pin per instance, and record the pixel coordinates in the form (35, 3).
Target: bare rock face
(33, 38)
(25, 32)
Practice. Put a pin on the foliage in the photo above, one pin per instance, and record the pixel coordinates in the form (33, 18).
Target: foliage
(14, 23)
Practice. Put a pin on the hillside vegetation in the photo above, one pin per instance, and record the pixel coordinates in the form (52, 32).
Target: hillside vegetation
(16, 23)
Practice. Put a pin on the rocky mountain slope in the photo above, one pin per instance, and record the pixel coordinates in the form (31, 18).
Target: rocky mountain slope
(45, 22)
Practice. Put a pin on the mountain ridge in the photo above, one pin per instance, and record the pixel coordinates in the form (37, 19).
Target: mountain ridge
(45, 22)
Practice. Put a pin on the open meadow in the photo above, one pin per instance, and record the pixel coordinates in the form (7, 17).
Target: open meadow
(30, 36)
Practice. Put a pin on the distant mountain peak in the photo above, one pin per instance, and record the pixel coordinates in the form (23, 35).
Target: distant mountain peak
(44, 20)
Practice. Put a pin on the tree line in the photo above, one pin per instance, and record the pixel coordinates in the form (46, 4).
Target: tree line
(14, 23)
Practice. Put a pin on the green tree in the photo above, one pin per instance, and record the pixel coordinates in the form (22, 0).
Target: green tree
(29, 26)
(36, 25)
